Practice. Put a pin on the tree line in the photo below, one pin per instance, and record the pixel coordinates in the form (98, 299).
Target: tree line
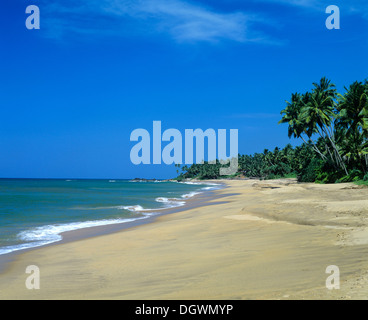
(333, 129)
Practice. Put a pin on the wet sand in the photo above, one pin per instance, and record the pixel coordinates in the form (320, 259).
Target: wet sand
(260, 240)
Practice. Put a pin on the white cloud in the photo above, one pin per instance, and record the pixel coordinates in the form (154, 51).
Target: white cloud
(186, 21)
(182, 20)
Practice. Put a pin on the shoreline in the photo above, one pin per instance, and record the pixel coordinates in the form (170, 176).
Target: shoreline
(258, 240)
(200, 199)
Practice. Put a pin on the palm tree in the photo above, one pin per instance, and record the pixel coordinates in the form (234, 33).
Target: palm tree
(291, 116)
(353, 108)
(295, 117)
(354, 148)
(352, 122)
(319, 117)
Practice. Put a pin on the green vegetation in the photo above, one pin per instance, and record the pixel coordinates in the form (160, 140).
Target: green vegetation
(334, 131)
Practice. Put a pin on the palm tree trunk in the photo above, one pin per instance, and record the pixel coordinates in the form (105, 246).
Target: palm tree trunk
(314, 148)
(337, 154)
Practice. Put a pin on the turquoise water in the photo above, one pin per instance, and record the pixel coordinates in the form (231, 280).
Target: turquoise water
(35, 212)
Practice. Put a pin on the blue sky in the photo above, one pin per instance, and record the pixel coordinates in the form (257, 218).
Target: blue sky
(72, 92)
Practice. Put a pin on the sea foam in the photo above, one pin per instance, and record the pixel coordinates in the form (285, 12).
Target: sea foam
(48, 234)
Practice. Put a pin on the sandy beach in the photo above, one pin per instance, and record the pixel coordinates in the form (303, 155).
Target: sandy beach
(263, 240)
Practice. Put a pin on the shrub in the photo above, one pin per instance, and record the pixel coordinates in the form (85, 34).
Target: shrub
(356, 174)
(310, 172)
(344, 179)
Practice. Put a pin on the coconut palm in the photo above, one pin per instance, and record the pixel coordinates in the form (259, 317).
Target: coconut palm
(352, 123)
(291, 116)
(353, 108)
(294, 115)
(319, 115)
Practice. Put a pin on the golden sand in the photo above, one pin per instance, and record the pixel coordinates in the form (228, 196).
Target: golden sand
(270, 240)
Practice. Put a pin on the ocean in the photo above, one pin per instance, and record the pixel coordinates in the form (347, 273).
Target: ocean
(34, 212)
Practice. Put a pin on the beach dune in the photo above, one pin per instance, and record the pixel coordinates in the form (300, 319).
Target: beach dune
(261, 240)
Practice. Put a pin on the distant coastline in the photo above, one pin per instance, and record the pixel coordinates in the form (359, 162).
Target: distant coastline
(333, 128)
